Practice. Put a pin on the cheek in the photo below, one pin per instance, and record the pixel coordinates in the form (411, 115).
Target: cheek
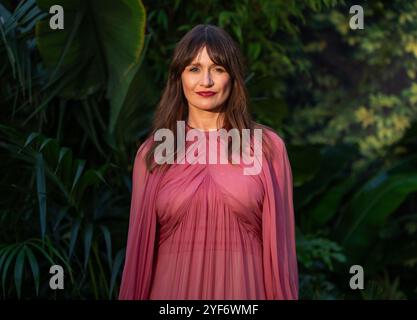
(188, 83)
(227, 86)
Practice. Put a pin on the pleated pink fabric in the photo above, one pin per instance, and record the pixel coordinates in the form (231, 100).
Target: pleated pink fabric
(207, 231)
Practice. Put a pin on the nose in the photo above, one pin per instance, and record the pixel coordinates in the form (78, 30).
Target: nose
(207, 80)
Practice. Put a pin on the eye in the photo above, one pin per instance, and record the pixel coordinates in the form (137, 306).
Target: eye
(192, 69)
(220, 69)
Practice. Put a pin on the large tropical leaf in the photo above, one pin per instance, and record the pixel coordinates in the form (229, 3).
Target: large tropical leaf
(99, 47)
(369, 209)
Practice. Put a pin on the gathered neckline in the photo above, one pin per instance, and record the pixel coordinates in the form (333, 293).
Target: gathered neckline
(206, 131)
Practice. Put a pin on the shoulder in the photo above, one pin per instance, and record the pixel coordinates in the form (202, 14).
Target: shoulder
(271, 137)
(145, 145)
(144, 148)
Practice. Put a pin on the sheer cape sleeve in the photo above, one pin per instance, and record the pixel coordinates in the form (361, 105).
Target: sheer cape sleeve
(278, 230)
(141, 239)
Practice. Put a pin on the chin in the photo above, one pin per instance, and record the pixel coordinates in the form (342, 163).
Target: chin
(209, 108)
(206, 106)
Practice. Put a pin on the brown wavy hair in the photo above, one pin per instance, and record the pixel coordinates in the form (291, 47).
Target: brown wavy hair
(173, 105)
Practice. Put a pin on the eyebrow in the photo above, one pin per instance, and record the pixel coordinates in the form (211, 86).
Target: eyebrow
(199, 64)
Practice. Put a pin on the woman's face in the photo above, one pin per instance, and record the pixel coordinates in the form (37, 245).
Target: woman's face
(203, 75)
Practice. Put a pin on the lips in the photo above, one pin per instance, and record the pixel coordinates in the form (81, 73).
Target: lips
(206, 93)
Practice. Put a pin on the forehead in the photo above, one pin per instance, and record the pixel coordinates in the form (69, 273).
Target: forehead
(202, 56)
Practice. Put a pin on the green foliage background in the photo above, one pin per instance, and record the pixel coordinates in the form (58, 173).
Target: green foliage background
(76, 103)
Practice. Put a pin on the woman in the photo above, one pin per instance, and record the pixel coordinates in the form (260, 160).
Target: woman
(207, 231)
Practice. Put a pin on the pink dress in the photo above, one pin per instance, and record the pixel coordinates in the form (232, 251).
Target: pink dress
(207, 231)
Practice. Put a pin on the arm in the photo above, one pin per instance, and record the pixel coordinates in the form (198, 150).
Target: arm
(137, 273)
(279, 252)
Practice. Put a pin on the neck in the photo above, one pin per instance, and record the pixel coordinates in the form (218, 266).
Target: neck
(204, 120)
